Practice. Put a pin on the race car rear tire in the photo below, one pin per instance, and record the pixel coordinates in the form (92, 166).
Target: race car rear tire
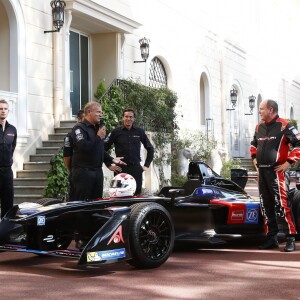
(296, 209)
(151, 235)
(48, 201)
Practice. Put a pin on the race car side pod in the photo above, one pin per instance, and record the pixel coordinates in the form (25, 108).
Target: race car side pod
(111, 242)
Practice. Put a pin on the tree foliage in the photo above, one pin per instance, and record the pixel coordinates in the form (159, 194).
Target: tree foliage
(155, 112)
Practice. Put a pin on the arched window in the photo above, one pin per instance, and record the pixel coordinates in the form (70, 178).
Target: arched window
(157, 75)
(202, 101)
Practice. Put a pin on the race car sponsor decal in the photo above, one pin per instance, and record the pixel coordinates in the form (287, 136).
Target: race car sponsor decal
(66, 253)
(41, 220)
(49, 239)
(240, 212)
(200, 191)
(117, 237)
(105, 255)
(252, 214)
(237, 215)
(247, 213)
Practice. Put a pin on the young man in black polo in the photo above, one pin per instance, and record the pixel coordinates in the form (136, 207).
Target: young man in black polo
(127, 141)
(8, 141)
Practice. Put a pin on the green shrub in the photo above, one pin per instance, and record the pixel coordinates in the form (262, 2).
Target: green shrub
(232, 163)
(57, 178)
(178, 180)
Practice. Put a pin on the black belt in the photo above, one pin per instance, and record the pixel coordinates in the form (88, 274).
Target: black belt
(266, 166)
(88, 169)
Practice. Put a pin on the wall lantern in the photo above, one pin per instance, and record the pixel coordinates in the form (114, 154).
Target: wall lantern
(233, 98)
(58, 7)
(251, 104)
(144, 46)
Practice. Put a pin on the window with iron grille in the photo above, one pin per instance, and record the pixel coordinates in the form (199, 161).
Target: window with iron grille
(157, 76)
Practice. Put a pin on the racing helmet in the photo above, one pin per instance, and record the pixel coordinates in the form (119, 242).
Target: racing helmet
(122, 185)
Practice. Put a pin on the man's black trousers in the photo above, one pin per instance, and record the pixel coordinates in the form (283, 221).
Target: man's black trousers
(275, 202)
(87, 183)
(6, 189)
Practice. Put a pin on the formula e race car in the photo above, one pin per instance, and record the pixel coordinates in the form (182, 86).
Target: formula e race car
(139, 230)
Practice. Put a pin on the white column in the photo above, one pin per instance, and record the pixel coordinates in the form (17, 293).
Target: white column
(66, 64)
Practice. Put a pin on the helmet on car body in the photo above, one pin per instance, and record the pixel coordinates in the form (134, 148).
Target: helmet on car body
(122, 185)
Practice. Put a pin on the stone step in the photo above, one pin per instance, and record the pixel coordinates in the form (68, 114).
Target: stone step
(26, 198)
(41, 157)
(32, 174)
(57, 136)
(30, 181)
(63, 130)
(47, 150)
(29, 190)
(39, 166)
(247, 164)
(53, 143)
(67, 123)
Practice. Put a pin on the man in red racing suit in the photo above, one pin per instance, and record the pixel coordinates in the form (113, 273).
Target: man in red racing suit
(272, 156)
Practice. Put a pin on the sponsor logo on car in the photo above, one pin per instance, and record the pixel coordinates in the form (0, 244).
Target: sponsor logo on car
(252, 216)
(237, 215)
(105, 255)
(117, 237)
(41, 220)
(49, 238)
(204, 192)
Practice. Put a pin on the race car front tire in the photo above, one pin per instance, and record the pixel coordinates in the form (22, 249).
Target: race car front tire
(151, 235)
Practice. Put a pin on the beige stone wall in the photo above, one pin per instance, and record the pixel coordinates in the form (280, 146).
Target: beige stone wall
(4, 50)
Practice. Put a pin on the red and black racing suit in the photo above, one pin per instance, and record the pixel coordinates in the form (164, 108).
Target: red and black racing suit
(271, 146)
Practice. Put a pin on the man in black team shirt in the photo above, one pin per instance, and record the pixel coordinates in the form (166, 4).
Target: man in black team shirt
(89, 155)
(8, 141)
(127, 140)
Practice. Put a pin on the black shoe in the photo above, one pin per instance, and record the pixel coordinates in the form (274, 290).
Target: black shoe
(270, 243)
(290, 245)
